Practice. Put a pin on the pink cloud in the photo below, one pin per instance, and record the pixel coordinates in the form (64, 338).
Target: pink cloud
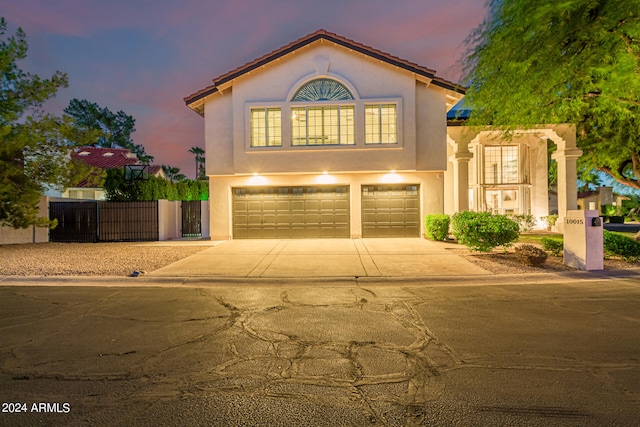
(178, 47)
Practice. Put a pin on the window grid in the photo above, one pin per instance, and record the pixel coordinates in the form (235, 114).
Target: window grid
(331, 125)
(381, 124)
(266, 127)
(501, 164)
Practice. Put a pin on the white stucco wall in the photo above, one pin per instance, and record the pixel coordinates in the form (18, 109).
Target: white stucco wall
(32, 234)
(220, 196)
(227, 121)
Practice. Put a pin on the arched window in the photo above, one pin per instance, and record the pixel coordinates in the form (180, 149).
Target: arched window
(322, 90)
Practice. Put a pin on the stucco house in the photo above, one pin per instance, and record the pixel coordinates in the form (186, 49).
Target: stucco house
(103, 158)
(327, 137)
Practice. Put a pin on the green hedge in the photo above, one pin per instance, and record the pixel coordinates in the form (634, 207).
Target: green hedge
(436, 226)
(621, 245)
(119, 190)
(483, 231)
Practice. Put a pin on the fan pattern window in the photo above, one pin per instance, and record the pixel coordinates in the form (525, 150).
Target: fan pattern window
(322, 90)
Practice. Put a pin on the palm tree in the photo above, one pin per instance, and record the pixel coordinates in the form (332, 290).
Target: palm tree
(200, 170)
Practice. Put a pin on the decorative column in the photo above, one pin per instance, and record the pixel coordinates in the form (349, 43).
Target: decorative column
(567, 182)
(461, 199)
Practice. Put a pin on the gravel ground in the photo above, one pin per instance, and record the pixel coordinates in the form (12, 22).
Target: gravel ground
(500, 263)
(88, 259)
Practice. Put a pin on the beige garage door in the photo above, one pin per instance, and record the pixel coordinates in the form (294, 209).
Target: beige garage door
(290, 212)
(390, 211)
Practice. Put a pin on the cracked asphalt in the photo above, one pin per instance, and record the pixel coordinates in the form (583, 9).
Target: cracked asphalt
(341, 352)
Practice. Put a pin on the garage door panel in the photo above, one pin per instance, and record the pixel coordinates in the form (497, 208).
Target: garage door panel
(283, 218)
(341, 219)
(390, 211)
(412, 204)
(342, 205)
(283, 205)
(397, 204)
(312, 218)
(312, 205)
(290, 212)
(398, 217)
(253, 220)
(412, 217)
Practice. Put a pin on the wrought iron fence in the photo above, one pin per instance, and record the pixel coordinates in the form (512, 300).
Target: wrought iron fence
(92, 221)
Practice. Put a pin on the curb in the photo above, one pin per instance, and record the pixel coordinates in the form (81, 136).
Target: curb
(208, 281)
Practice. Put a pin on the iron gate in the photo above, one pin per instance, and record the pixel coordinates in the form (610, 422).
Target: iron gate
(192, 218)
(93, 221)
(77, 221)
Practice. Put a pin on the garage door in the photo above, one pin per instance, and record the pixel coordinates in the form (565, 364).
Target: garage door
(290, 212)
(390, 211)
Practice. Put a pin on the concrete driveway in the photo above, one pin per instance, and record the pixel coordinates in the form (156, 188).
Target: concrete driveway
(409, 257)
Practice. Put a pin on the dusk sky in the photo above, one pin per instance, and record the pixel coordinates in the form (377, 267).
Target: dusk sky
(144, 56)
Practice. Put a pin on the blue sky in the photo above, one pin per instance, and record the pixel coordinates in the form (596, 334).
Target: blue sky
(144, 56)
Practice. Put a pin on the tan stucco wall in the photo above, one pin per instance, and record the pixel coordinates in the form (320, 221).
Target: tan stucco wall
(218, 134)
(431, 196)
(431, 129)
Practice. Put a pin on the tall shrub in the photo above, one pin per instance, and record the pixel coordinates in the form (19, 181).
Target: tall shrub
(621, 245)
(436, 226)
(483, 231)
(120, 190)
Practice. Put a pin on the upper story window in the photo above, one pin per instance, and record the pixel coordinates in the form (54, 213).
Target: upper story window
(501, 164)
(380, 124)
(325, 125)
(324, 120)
(266, 127)
(322, 90)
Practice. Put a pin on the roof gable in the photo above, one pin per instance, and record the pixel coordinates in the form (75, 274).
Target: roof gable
(320, 35)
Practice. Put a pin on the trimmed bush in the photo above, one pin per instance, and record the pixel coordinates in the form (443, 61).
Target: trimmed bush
(554, 246)
(620, 245)
(551, 219)
(526, 222)
(531, 255)
(483, 231)
(437, 226)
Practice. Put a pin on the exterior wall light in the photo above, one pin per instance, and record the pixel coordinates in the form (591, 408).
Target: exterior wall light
(325, 178)
(391, 178)
(256, 179)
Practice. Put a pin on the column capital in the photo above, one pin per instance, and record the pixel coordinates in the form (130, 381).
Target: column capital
(566, 154)
(464, 156)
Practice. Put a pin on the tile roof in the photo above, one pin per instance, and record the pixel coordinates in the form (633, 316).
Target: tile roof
(109, 158)
(105, 158)
(334, 38)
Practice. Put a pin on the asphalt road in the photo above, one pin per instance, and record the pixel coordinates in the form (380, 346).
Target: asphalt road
(326, 353)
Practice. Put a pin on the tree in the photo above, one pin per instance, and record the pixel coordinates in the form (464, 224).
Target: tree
(34, 146)
(114, 129)
(173, 174)
(200, 159)
(574, 61)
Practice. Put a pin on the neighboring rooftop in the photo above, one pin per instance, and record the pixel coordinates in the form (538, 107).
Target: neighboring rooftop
(421, 72)
(110, 158)
(459, 113)
(105, 158)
